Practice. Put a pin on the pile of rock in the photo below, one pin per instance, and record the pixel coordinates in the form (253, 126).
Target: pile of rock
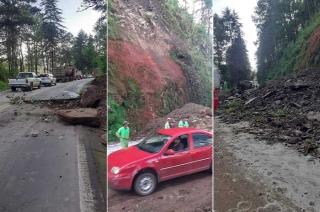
(198, 117)
(287, 109)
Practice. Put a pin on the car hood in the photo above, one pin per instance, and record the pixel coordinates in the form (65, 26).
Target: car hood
(127, 156)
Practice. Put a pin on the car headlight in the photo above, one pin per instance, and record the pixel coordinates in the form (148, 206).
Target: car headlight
(115, 170)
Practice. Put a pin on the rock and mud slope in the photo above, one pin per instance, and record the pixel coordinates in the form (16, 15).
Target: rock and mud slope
(150, 68)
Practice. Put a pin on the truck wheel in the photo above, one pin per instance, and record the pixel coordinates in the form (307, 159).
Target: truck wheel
(145, 183)
(13, 89)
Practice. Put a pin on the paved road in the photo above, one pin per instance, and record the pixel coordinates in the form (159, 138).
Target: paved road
(68, 90)
(51, 171)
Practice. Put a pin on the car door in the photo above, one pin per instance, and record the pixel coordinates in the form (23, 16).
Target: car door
(201, 152)
(36, 80)
(177, 164)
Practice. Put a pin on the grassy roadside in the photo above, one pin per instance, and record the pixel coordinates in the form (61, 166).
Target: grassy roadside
(3, 86)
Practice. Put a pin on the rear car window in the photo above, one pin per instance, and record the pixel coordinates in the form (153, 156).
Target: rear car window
(201, 140)
(24, 75)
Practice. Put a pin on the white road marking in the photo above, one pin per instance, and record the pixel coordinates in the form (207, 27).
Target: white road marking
(4, 106)
(87, 201)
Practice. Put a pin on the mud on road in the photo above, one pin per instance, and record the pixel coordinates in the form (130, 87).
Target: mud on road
(192, 193)
(252, 175)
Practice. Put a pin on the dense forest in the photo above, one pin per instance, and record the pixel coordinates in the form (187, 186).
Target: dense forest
(230, 52)
(33, 38)
(288, 37)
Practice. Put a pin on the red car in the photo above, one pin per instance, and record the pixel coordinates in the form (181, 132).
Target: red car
(171, 153)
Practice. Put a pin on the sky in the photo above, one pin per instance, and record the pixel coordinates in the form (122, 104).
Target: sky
(75, 21)
(245, 10)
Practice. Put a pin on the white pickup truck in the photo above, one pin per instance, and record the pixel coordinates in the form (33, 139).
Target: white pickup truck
(25, 81)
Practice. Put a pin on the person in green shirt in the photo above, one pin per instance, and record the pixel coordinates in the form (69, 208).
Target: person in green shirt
(183, 123)
(123, 134)
(167, 124)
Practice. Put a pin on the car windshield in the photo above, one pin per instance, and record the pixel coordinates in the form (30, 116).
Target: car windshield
(43, 75)
(153, 144)
(24, 75)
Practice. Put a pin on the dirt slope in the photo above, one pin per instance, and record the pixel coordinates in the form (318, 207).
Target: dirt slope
(198, 116)
(140, 64)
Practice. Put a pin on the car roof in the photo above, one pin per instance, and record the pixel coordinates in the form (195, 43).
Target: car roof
(179, 131)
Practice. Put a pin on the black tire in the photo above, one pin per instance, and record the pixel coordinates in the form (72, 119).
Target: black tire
(31, 87)
(13, 89)
(39, 86)
(147, 180)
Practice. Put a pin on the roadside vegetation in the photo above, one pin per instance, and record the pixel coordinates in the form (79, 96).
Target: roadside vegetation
(230, 56)
(195, 59)
(288, 37)
(33, 38)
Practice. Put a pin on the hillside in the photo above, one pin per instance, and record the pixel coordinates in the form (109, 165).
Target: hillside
(301, 53)
(152, 66)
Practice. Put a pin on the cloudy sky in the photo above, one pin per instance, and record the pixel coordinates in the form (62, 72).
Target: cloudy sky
(74, 21)
(245, 10)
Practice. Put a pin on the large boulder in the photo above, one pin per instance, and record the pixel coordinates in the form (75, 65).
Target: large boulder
(90, 97)
(83, 116)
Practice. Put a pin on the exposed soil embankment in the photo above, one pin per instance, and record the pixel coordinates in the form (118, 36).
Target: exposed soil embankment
(286, 110)
(151, 71)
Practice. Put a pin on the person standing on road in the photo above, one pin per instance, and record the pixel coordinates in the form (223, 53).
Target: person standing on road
(123, 134)
(183, 123)
(167, 124)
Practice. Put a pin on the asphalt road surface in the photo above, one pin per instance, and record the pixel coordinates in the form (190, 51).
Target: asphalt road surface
(45, 164)
(62, 91)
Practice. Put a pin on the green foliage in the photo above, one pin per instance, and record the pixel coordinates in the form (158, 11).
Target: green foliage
(112, 27)
(128, 110)
(4, 72)
(281, 112)
(233, 106)
(116, 116)
(230, 55)
(3, 85)
(15, 16)
(294, 56)
(196, 59)
(134, 98)
(283, 30)
(171, 98)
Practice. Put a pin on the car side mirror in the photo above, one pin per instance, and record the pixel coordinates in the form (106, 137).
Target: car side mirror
(170, 152)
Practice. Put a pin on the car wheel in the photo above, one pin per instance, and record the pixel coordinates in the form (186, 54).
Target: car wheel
(31, 87)
(145, 183)
(13, 89)
(39, 86)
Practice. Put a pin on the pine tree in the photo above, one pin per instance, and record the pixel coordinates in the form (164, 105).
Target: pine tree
(237, 61)
(53, 29)
(78, 50)
(14, 17)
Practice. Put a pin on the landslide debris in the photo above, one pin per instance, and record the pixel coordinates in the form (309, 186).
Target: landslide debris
(285, 110)
(84, 116)
(90, 109)
(198, 116)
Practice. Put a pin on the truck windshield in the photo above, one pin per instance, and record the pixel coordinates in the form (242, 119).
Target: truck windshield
(153, 144)
(24, 75)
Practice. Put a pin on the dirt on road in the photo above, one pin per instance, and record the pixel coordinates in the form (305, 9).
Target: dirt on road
(192, 193)
(252, 175)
